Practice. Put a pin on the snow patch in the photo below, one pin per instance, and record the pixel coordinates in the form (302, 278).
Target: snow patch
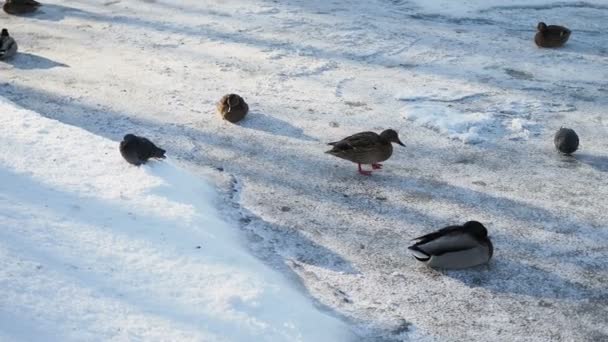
(464, 126)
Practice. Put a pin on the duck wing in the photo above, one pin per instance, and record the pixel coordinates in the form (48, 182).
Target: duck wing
(446, 240)
(363, 140)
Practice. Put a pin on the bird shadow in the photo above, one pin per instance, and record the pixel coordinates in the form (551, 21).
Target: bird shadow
(514, 277)
(269, 124)
(599, 163)
(28, 61)
(55, 12)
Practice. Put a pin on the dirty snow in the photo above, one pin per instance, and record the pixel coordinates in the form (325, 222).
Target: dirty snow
(474, 100)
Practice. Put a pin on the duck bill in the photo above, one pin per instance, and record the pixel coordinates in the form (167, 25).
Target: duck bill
(400, 143)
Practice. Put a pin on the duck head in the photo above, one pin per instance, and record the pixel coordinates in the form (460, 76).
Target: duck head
(541, 26)
(4, 33)
(392, 136)
(129, 137)
(232, 101)
(476, 229)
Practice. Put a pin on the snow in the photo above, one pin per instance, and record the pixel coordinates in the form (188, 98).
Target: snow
(96, 249)
(474, 100)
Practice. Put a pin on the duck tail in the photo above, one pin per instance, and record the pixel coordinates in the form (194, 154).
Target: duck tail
(419, 254)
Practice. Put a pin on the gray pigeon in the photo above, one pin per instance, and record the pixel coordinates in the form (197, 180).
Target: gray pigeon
(454, 247)
(566, 140)
(8, 45)
(137, 150)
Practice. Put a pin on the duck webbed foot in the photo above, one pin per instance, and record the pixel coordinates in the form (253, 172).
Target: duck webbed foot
(363, 172)
(377, 166)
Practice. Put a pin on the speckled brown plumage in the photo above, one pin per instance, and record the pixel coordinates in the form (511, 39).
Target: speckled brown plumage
(232, 107)
(551, 36)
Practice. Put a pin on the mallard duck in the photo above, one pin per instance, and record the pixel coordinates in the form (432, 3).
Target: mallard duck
(232, 107)
(454, 247)
(551, 36)
(20, 6)
(366, 148)
(566, 140)
(137, 150)
(8, 46)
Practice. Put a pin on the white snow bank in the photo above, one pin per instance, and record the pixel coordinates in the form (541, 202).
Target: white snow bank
(447, 120)
(92, 248)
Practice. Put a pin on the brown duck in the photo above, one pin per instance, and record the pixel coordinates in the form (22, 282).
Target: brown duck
(551, 36)
(366, 148)
(232, 107)
(18, 7)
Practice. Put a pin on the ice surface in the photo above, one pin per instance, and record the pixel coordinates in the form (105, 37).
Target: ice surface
(93, 248)
(473, 98)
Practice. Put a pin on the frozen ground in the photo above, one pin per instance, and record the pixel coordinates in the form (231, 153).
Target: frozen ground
(95, 249)
(474, 100)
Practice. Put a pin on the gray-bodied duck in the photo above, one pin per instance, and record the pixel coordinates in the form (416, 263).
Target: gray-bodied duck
(232, 107)
(566, 140)
(366, 148)
(454, 247)
(137, 150)
(551, 36)
(8, 45)
(17, 7)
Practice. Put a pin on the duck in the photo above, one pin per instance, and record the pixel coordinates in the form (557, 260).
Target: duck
(137, 150)
(454, 247)
(566, 140)
(232, 107)
(17, 7)
(366, 148)
(551, 36)
(8, 45)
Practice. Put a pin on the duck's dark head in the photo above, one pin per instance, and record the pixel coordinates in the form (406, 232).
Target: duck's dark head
(129, 137)
(476, 229)
(4, 33)
(541, 26)
(233, 100)
(392, 136)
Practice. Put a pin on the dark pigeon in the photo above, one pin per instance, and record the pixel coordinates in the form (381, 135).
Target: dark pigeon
(566, 140)
(137, 150)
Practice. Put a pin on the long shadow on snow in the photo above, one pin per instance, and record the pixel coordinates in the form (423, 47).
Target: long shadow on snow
(28, 61)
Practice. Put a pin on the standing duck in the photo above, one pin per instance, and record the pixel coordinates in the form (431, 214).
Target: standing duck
(8, 46)
(232, 107)
(366, 148)
(566, 140)
(454, 247)
(137, 150)
(551, 36)
(17, 7)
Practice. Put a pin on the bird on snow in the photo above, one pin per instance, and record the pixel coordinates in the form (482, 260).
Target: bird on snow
(454, 247)
(566, 140)
(232, 107)
(551, 36)
(137, 150)
(8, 46)
(366, 148)
(17, 7)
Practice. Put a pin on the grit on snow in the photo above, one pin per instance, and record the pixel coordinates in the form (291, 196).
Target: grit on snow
(474, 100)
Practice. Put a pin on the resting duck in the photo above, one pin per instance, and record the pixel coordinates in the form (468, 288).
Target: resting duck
(454, 247)
(232, 107)
(17, 7)
(366, 148)
(566, 140)
(137, 150)
(8, 46)
(551, 36)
